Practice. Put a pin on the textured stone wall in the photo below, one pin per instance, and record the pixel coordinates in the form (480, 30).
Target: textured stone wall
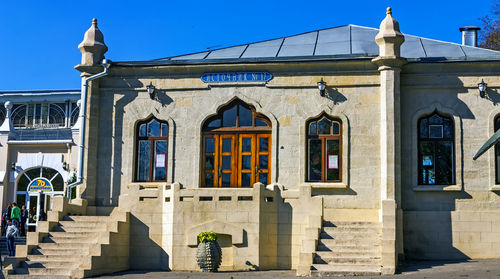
(452, 221)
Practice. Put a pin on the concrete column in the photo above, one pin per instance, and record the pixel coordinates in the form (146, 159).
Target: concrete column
(389, 62)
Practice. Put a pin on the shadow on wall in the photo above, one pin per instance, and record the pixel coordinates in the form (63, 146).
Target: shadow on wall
(145, 253)
(428, 235)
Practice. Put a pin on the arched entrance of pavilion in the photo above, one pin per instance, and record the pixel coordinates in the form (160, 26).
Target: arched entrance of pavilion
(35, 189)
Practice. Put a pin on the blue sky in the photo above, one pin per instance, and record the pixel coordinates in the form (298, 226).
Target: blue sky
(39, 39)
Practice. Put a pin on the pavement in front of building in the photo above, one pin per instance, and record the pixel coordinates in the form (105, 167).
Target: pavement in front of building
(411, 270)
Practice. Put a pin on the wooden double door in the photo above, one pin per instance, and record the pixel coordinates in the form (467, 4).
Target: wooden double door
(236, 159)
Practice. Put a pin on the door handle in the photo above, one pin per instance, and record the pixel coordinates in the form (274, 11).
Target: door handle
(220, 171)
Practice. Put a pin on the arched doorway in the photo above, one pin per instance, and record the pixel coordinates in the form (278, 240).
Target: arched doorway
(236, 147)
(35, 189)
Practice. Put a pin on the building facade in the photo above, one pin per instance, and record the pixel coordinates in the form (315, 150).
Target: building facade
(37, 143)
(341, 150)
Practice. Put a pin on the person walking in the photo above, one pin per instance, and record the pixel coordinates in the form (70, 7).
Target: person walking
(24, 218)
(15, 215)
(12, 231)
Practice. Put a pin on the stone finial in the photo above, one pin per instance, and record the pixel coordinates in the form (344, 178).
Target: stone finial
(93, 47)
(389, 38)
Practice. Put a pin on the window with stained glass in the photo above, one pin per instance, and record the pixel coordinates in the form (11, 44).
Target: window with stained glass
(324, 149)
(436, 149)
(152, 146)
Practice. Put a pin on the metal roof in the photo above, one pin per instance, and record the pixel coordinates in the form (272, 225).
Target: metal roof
(42, 134)
(343, 42)
(52, 95)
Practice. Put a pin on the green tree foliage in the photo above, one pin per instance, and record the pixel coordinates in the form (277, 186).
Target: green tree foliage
(489, 36)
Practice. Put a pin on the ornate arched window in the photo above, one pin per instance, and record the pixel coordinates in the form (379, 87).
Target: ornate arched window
(436, 149)
(40, 179)
(151, 150)
(74, 113)
(497, 152)
(236, 147)
(3, 113)
(324, 149)
(39, 115)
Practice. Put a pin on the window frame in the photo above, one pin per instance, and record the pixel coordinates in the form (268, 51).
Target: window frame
(324, 158)
(452, 139)
(152, 140)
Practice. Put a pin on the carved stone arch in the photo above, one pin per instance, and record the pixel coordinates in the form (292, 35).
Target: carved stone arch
(459, 151)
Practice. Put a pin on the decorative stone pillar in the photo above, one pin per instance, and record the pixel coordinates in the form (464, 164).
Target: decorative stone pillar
(389, 62)
(7, 125)
(93, 49)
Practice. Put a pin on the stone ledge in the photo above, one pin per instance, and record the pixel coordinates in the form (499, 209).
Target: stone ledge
(437, 188)
(326, 185)
(495, 188)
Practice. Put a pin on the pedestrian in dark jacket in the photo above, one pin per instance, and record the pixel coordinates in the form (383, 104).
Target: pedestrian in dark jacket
(12, 231)
(24, 218)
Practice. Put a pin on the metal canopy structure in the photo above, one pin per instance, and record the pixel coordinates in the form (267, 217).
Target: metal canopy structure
(349, 41)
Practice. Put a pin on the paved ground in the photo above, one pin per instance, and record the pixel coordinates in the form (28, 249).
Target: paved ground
(428, 269)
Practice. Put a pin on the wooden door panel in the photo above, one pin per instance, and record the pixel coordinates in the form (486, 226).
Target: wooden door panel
(246, 160)
(210, 161)
(227, 161)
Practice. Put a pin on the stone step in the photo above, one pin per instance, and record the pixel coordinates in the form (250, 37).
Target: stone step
(349, 235)
(65, 245)
(60, 251)
(71, 239)
(347, 260)
(49, 271)
(324, 270)
(374, 253)
(330, 224)
(80, 229)
(348, 230)
(76, 234)
(83, 224)
(57, 257)
(348, 247)
(53, 264)
(27, 276)
(342, 242)
(96, 219)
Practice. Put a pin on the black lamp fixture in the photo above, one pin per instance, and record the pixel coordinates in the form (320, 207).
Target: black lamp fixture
(151, 90)
(13, 166)
(322, 87)
(65, 166)
(482, 88)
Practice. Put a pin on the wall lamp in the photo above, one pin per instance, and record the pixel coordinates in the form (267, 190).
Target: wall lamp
(65, 166)
(13, 166)
(151, 90)
(322, 87)
(482, 88)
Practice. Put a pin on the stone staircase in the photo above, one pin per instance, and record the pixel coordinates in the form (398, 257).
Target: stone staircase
(348, 248)
(77, 247)
(3, 244)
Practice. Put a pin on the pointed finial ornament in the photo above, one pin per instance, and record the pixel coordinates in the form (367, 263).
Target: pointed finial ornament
(389, 38)
(93, 47)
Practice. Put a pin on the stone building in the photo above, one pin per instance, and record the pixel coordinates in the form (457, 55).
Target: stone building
(341, 150)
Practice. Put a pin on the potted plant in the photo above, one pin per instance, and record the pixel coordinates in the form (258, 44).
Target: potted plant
(209, 254)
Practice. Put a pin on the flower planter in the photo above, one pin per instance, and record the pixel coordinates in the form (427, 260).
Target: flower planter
(209, 256)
